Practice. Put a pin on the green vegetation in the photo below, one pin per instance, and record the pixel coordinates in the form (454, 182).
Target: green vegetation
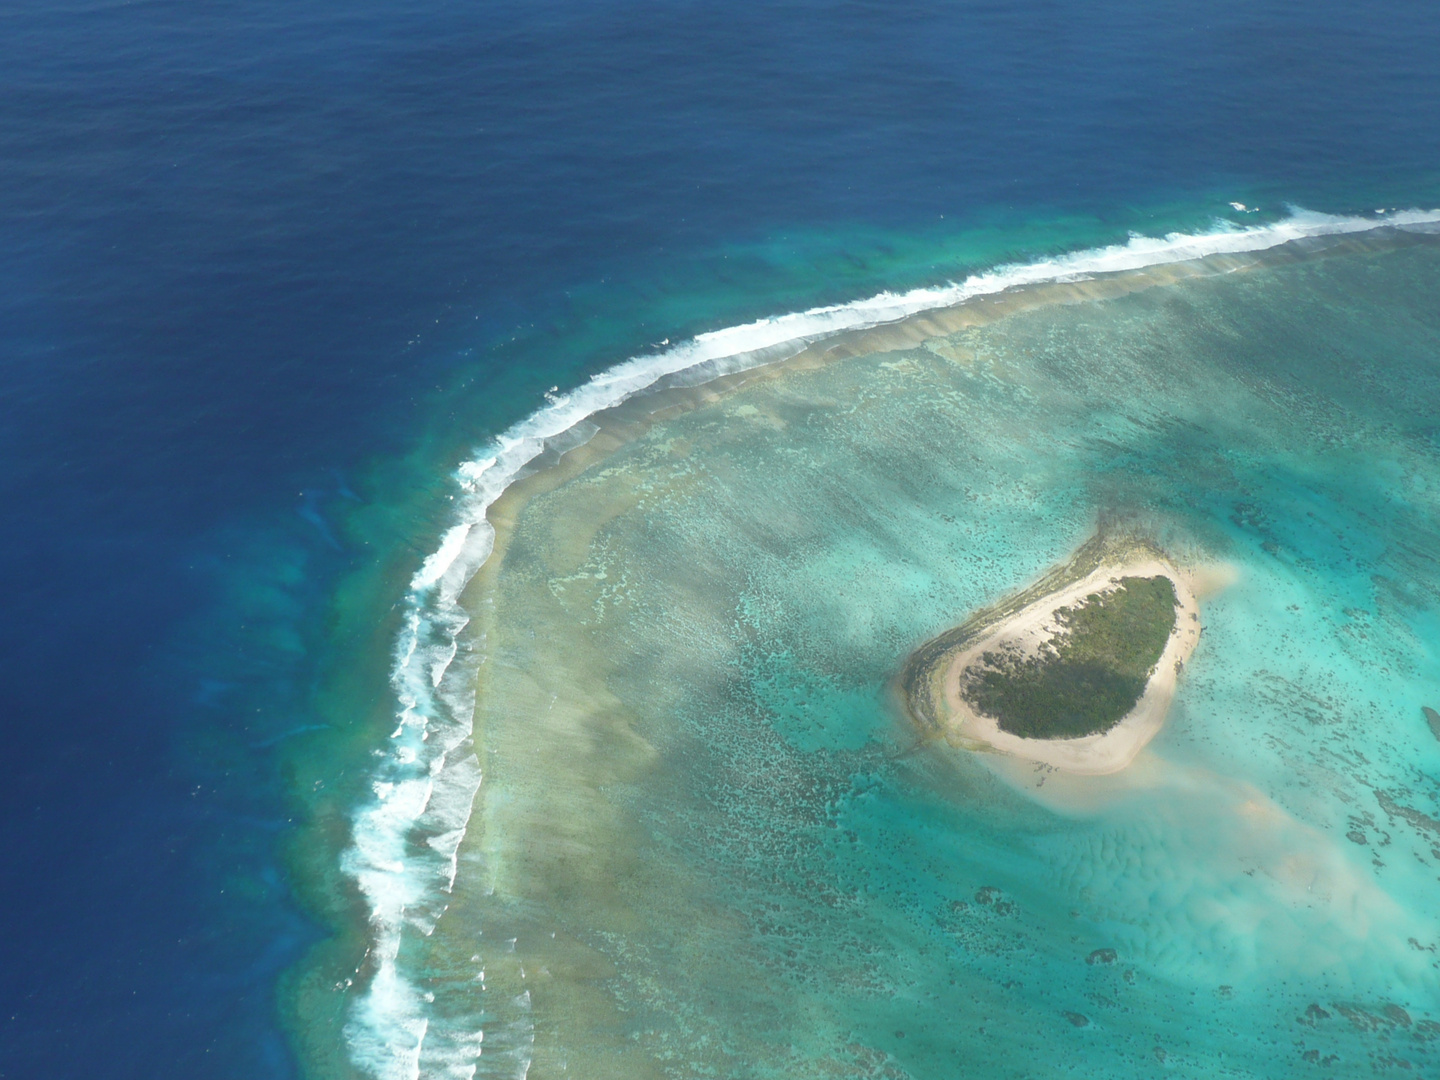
(1086, 678)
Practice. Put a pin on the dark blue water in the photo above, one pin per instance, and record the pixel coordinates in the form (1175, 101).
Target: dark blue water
(263, 265)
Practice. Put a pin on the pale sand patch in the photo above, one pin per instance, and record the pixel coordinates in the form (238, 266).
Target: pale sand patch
(1094, 755)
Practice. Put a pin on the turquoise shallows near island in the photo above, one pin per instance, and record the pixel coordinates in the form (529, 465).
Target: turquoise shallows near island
(654, 807)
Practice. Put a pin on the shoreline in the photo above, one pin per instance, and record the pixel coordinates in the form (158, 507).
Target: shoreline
(1098, 754)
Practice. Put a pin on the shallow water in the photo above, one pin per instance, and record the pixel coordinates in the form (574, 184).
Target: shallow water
(708, 842)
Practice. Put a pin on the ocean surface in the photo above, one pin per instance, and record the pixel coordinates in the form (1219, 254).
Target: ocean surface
(472, 473)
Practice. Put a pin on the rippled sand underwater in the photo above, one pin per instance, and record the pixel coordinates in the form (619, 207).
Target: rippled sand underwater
(709, 843)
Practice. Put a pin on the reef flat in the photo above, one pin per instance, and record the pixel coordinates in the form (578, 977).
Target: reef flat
(1076, 672)
(690, 833)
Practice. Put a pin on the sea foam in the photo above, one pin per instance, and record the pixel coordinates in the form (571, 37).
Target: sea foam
(406, 839)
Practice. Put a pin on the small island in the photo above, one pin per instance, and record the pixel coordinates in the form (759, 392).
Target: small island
(1077, 672)
(1086, 676)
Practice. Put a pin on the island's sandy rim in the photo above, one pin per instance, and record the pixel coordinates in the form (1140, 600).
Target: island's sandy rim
(932, 680)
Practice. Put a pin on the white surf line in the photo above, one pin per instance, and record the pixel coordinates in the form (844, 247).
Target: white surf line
(406, 841)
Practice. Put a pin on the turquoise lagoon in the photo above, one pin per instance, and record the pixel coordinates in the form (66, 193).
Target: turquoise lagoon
(651, 808)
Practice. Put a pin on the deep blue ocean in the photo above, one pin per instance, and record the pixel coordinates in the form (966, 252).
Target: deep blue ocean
(268, 270)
